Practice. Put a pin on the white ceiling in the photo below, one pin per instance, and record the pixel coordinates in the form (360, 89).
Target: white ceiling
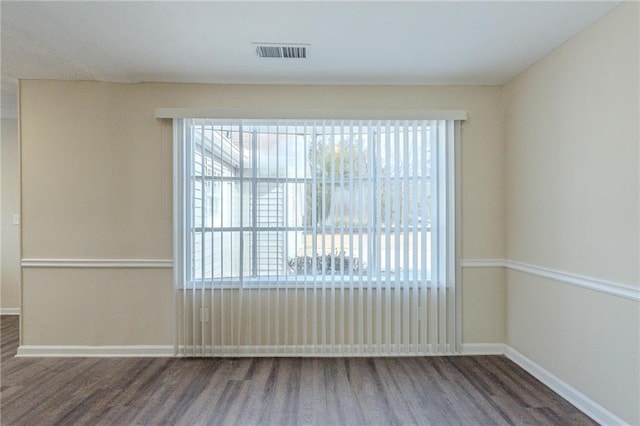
(366, 42)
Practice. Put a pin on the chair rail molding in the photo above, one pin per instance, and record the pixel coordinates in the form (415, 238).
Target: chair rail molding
(483, 263)
(611, 288)
(97, 263)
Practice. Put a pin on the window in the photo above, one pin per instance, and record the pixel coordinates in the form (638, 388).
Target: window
(302, 202)
(315, 237)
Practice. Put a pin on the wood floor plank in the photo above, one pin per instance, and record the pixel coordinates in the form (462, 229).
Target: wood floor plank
(392, 389)
(341, 404)
(309, 386)
(477, 390)
(366, 385)
(424, 397)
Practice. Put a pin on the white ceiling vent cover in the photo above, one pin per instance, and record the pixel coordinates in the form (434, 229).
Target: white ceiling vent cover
(286, 51)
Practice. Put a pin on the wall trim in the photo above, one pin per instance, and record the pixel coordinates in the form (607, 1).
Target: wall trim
(342, 351)
(568, 392)
(9, 311)
(596, 284)
(611, 288)
(156, 351)
(603, 286)
(304, 351)
(97, 263)
(482, 263)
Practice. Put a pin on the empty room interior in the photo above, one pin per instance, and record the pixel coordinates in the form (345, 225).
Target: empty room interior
(234, 212)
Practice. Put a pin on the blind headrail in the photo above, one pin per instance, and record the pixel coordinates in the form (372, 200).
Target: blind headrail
(312, 114)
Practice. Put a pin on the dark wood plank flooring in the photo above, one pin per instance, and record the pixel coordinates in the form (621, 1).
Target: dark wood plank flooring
(469, 390)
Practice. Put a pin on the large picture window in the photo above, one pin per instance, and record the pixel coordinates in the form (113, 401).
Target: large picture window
(298, 201)
(316, 236)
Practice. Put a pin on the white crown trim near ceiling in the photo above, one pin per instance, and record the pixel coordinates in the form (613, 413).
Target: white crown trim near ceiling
(603, 286)
(312, 114)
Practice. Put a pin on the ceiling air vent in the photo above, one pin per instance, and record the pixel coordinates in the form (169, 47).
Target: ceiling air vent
(294, 51)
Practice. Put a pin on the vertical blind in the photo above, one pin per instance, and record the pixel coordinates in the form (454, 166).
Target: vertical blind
(318, 238)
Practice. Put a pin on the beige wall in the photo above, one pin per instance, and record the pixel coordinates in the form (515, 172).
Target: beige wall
(10, 205)
(572, 150)
(97, 307)
(97, 184)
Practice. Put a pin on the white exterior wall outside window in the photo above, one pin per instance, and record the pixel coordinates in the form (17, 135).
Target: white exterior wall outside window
(325, 237)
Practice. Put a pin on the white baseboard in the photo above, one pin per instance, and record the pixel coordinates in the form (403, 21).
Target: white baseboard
(9, 311)
(340, 351)
(483, 349)
(158, 351)
(568, 392)
(335, 351)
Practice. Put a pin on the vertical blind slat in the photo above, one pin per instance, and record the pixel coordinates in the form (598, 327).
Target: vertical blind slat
(193, 251)
(424, 252)
(418, 198)
(201, 238)
(435, 224)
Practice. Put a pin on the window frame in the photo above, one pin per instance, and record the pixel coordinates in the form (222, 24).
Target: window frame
(181, 253)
